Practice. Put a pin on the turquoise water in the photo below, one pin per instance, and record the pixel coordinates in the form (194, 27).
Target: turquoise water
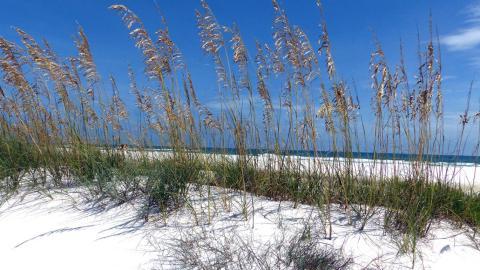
(359, 155)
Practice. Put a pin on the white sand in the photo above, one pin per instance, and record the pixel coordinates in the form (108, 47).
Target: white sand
(37, 232)
(64, 232)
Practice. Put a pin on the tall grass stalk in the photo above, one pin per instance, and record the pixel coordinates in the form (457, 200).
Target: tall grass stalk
(58, 122)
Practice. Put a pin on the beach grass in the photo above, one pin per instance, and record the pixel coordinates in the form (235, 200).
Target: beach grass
(74, 132)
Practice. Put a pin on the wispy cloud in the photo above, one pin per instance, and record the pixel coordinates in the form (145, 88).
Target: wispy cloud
(473, 13)
(469, 36)
(466, 39)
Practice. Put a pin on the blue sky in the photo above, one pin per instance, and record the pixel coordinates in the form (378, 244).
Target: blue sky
(351, 26)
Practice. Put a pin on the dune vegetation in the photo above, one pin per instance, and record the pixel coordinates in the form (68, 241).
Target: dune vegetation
(61, 127)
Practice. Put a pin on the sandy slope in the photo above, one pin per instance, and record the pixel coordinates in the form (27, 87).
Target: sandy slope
(38, 232)
(65, 232)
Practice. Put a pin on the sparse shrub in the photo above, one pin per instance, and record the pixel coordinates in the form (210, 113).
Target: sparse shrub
(228, 250)
(304, 253)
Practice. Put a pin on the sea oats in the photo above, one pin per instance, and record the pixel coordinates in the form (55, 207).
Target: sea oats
(139, 34)
(326, 50)
(211, 39)
(85, 57)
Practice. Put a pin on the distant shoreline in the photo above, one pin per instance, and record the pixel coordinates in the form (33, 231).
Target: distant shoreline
(451, 159)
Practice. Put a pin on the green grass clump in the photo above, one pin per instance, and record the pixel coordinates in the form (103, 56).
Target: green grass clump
(92, 168)
(167, 181)
(164, 182)
(16, 158)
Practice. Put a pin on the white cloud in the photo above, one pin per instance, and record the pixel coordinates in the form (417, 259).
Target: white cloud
(469, 36)
(466, 39)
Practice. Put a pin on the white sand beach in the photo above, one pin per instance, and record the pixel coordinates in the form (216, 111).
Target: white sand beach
(63, 231)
